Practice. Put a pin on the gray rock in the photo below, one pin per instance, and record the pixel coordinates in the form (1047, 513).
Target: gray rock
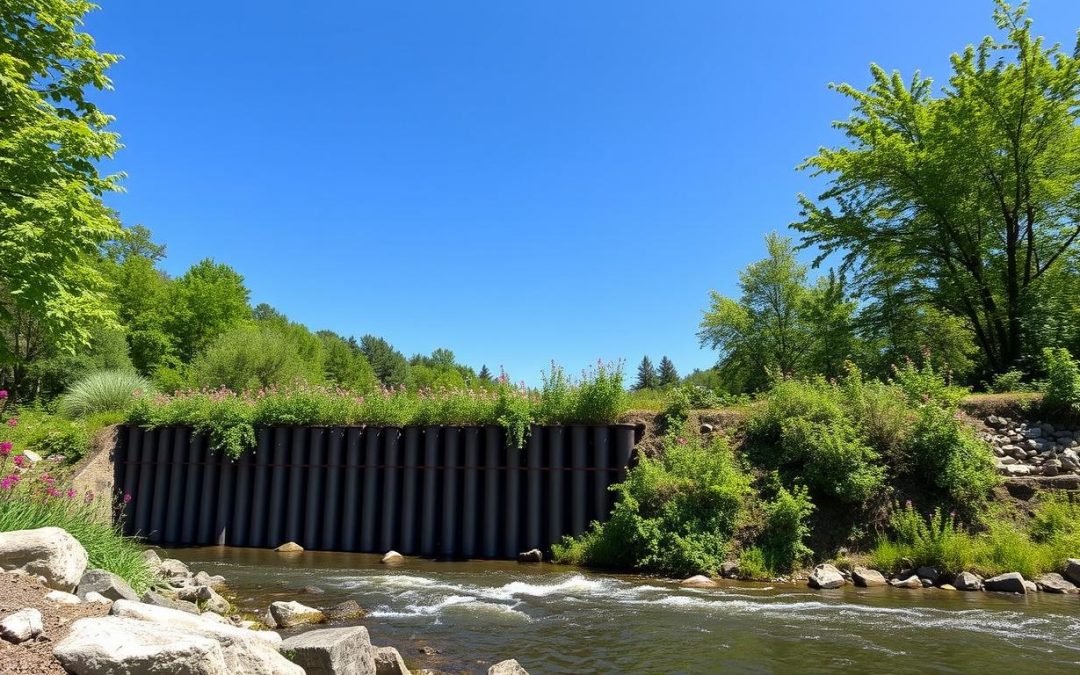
(698, 581)
(105, 584)
(912, 581)
(62, 598)
(1072, 570)
(21, 626)
(389, 662)
(1031, 586)
(345, 611)
(1054, 583)
(288, 614)
(180, 620)
(216, 582)
(966, 581)
(730, 569)
(93, 597)
(531, 556)
(332, 650)
(1010, 582)
(48, 552)
(175, 572)
(826, 576)
(507, 667)
(153, 560)
(159, 600)
(205, 597)
(866, 577)
(108, 645)
(927, 572)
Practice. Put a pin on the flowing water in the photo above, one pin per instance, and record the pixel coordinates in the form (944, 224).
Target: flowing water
(565, 620)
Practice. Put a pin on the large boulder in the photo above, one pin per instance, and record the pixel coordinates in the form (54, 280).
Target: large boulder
(1072, 570)
(245, 651)
(966, 581)
(105, 584)
(1054, 583)
(507, 667)
(1010, 582)
(698, 581)
(113, 644)
(21, 626)
(866, 577)
(288, 614)
(826, 576)
(332, 650)
(388, 661)
(181, 620)
(48, 552)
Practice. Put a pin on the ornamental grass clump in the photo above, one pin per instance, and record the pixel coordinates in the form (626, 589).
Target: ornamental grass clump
(102, 391)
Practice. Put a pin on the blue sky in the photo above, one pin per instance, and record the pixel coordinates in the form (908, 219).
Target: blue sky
(516, 181)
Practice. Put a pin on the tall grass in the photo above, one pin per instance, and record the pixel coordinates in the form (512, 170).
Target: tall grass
(102, 391)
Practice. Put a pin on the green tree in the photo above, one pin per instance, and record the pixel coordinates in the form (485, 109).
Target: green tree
(667, 375)
(766, 329)
(646, 375)
(831, 317)
(53, 139)
(208, 300)
(970, 196)
(249, 356)
(485, 374)
(389, 364)
(344, 364)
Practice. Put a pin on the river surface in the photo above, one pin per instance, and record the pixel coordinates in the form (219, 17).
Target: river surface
(566, 620)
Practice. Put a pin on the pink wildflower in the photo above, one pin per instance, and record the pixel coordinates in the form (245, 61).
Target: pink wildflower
(70, 493)
(20, 461)
(12, 422)
(52, 492)
(5, 448)
(127, 497)
(3, 394)
(8, 482)
(681, 441)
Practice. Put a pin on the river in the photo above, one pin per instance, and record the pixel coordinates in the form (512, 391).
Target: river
(557, 619)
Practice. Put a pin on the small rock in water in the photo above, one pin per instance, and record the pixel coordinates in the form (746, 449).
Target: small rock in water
(826, 576)
(947, 587)
(910, 582)
(288, 614)
(290, 547)
(392, 558)
(866, 577)
(428, 651)
(927, 572)
(312, 590)
(1010, 582)
(345, 611)
(507, 667)
(332, 650)
(531, 556)
(966, 581)
(698, 581)
(1055, 583)
(388, 661)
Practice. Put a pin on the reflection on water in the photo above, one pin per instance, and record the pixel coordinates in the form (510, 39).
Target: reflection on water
(564, 620)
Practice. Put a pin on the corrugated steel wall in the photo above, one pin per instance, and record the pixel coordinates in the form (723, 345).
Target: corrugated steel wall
(439, 491)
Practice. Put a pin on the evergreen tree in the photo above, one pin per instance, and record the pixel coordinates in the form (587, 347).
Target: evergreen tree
(646, 375)
(485, 374)
(668, 376)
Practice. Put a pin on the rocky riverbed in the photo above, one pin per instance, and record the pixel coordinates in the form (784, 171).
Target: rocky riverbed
(57, 616)
(1032, 448)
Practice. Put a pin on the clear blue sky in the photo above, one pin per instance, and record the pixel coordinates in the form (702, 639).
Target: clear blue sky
(516, 181)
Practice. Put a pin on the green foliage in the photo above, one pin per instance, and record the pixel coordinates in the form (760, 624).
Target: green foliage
(1008, 382)
(103, 391)
(674, 514)
(1003, 545)
(783, 542)
(926, 385)
(752, 564)
(667, 376)
(947, 455)
(50, 435)
(962, 198)
(388, 363)
(230, 418)
(208, 300)
(646, 375)
(251, 356)
(53, 140)
(834, 458)
(1062, 388)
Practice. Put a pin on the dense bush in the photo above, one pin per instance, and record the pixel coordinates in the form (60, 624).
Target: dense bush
(1007, 382)
(230, 417)
(848, 439)
(1062, 388)
(49, 435)
(103, 391)
(251, 356)
(674, 514)
(783, 543)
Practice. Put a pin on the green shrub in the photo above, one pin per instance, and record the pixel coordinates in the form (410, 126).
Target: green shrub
(49, 435)
(937, 541)
(833, 457)
(783, 543)
(947, 455)
(678, 408)
(1007, 382)
(103, 391)
(250, 357)
(674, 514)
(752, 564)
(1062, 388)
(925, 385)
